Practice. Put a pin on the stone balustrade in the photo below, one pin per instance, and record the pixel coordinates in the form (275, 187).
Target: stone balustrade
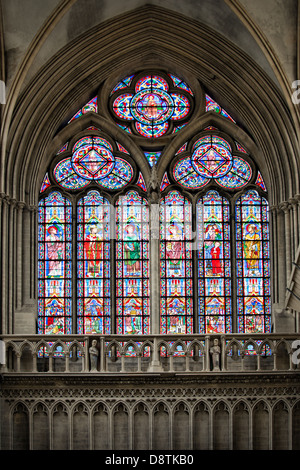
(120, 354)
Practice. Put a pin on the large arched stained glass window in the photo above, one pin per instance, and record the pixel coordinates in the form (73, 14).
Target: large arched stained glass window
(93, 255)
(214, 264)
(132, 270)
(176, 271)
(55, 273)
(253, 266)
(94, 268)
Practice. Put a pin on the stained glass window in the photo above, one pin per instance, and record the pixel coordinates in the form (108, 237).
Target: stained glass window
(253, 265)
(151, 105)
(93, 160)
(94, 268)
(214, 264)
(152, 157)
(260, 182)
(54, 265)
(46, 183)
(176, 264)
(93, 273)
(211, 157)
(212, 105)
(132, 268)
(91, 106)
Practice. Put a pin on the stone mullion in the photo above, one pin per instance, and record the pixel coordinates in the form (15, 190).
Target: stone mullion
(154, 269)
(195, 271)
(233, 266)
(74, 239)
(113, 271)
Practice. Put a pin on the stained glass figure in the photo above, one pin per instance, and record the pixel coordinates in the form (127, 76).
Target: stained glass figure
(152, 103)
(54, 265)
(93, 271)
(214, 267)
(253, 264)
(132, 265)
(176, 264)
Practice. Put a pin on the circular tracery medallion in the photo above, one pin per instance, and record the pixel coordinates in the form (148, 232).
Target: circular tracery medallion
(212, 159)
(93, 161)
(155, 106)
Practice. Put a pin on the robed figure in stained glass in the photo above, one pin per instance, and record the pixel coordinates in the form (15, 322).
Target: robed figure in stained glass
(54, 252)
(215, 259)
(252, 249)
(132, 250)
(174, 247)
(93, 252)
(212, 250)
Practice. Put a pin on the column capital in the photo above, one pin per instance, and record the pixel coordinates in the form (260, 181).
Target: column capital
(21, 205)
(284, 206)
(33, 208)
(293, 201)
(274, 209)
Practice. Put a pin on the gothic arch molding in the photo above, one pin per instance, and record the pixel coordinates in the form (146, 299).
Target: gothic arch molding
(78, 68)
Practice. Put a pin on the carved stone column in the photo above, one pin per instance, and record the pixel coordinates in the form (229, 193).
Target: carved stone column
(153, 198)
(154, 268)
(4, 260)
(19, 274)
(285, 207)
(274, 252)
(294, 226)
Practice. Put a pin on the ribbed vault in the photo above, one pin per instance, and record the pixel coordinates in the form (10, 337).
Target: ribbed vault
(149, 37)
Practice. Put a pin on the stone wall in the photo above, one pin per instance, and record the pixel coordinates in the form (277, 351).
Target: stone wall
(170, 412)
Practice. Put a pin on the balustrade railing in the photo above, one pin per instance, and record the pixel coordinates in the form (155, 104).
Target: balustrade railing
(120, 354)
